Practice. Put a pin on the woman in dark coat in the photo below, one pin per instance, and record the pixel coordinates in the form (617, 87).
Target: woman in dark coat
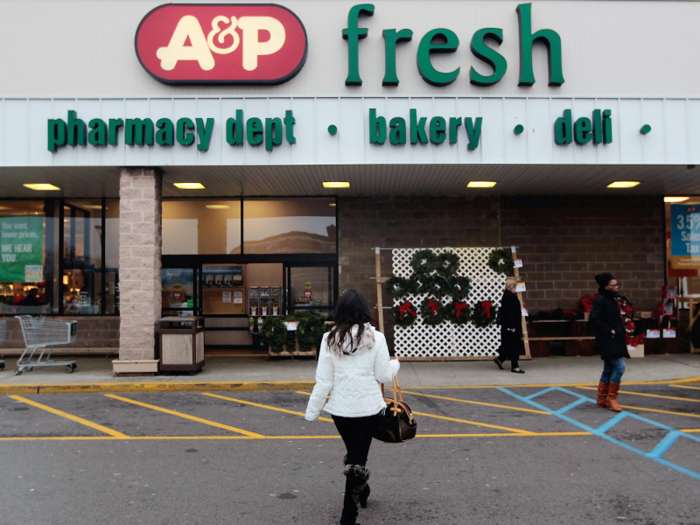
(606, 323)
(511, 329)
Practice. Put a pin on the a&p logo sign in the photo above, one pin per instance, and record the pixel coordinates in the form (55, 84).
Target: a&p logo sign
(221, 44)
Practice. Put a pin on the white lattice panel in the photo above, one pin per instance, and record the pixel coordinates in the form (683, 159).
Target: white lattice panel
(448, 339)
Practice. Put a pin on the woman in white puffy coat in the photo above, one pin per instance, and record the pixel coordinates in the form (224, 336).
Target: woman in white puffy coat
(353, 361)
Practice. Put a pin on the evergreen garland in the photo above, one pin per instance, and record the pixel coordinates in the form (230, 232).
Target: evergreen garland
(405, 314)
(424, 262)
(479, 310)
(447, 264)
(429, 307)
(458, 288)
(501, 261)
(309, 332)
(274, 333)
(458, 312)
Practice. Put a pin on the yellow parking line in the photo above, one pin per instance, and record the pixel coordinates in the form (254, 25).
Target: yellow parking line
(675, 385)
(478, 403)
(196, 438)
(77, 419)
(516, 430)
(626, 392)
(187, 416)
(268, 407)
(690, 430)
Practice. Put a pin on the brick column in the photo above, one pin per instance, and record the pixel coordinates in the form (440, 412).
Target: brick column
(140, 235)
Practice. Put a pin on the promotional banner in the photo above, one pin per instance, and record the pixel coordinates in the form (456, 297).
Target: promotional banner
(22, 249)
(685, 236)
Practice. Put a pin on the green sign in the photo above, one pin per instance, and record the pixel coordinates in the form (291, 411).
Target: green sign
(21, 249)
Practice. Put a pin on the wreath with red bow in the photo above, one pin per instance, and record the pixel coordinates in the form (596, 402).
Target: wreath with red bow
(483, 314)
(432, 311)
(458, 312)
(405, 314)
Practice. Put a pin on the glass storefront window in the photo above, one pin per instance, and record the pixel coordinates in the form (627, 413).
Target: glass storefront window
(305, 225)
(683, 244)
(111, 240)
(82, 257)
(202, 226)
(177, 290)
(27, 233)
(310, 287)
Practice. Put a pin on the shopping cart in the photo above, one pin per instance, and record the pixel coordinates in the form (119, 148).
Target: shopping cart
(40, 334)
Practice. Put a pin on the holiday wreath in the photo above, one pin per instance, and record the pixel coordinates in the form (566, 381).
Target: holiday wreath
(399, 286)
(424, 262)
(483, 314)
(458, 287)
(501, 261)
(447, 263)
(432, 312)
(405, 314)
(458, 312)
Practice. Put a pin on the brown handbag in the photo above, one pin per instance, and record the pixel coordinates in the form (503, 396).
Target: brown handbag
(396, 424)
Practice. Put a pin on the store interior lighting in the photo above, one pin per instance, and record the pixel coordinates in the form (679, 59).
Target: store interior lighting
(676, 199)
(336, 184)
(189, 185)
(218, 206)
(42, 187)
(623, 184)
(481, 184)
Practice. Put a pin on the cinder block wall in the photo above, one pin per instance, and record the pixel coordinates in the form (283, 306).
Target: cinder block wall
(564, 242)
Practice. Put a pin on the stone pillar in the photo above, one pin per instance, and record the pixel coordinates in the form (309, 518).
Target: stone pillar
(140, 235)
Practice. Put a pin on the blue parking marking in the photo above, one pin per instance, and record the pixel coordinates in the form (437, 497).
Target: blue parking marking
(656, 454)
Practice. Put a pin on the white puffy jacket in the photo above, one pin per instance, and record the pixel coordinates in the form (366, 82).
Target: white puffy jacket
(353, 378)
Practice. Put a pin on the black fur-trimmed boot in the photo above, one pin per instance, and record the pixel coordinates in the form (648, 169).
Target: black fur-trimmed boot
(356, 491)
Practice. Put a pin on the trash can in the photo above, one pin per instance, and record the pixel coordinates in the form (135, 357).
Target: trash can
(181, 344)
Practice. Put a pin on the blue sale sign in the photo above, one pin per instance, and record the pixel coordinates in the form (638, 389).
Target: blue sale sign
(685, 236)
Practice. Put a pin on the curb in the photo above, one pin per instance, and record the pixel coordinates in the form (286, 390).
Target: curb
(91, 388)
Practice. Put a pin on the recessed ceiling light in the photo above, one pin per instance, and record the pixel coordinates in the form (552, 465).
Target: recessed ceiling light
(189, 185)
(336, 184)
(93, 207)
(41, 187)
(675, 199)
(481, 184)
(218, 206)
(624, 184)
(332, 204)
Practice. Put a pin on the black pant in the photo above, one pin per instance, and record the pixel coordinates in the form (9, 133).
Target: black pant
(357, 435)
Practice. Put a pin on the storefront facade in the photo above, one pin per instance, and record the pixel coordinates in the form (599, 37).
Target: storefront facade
(261, 104)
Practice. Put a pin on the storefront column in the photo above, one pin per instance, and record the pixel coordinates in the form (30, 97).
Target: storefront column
(140, 202)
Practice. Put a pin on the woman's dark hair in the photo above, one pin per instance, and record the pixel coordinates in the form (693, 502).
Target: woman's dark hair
(352, 309)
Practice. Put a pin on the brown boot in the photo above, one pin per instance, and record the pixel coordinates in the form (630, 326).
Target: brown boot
(612, 397)
(602, 395)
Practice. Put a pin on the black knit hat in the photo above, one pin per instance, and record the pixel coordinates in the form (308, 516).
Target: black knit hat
(604, 278)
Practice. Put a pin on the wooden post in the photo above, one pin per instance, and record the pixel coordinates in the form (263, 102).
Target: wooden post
(526, 339)
(379, 280)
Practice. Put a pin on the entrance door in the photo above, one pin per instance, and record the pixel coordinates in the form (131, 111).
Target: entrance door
(312, 288)
(180, 291)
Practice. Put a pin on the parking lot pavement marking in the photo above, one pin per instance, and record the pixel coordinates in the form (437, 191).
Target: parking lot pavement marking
(66, 415)
(268, 407)
(682, 414)
(655, 455)
(435, 416)
(674, 385)
(658, 396)
(476, 403)
(186, 416)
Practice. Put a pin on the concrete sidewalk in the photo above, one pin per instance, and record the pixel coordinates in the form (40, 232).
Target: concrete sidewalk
(94, 374)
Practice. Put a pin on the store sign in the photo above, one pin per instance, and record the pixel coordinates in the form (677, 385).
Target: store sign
(221, 44)
(21, 249)
(685, 237)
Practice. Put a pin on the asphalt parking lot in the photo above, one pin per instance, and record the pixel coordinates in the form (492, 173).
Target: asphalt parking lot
(531, 454)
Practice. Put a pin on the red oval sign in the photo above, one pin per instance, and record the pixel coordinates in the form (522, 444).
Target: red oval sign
(221, 44)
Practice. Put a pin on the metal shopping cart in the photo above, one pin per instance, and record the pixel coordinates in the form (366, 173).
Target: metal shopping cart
(40, 334)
